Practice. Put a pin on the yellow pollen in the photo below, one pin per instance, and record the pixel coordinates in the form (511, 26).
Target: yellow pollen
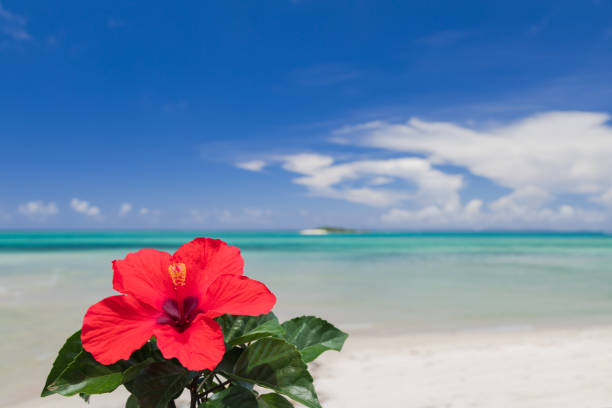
(178, 273)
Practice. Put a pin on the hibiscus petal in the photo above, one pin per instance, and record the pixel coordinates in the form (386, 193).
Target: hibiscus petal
(144, 275)
(116, 326)
(206, 259)
(237, 295)
(200, 346)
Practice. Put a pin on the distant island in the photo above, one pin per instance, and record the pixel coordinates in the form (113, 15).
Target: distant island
(330, 230)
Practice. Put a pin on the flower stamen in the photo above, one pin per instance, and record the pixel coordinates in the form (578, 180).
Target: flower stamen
(178, 273)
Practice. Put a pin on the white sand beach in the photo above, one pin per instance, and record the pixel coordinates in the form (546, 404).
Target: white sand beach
(548, 368)
(506, 368)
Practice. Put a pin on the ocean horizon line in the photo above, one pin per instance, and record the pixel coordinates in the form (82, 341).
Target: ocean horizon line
(289, 240)
(358, 231)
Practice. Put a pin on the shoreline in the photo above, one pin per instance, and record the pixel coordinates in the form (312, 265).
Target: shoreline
(535, 367)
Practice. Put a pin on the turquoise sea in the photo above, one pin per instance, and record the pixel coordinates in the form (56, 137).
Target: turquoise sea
(380, 282)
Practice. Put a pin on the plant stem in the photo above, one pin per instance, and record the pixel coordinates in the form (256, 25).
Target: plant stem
(204, 381)
(218, 387)
(193, 389)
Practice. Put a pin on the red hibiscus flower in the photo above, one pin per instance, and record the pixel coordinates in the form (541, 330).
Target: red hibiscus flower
(174, 298)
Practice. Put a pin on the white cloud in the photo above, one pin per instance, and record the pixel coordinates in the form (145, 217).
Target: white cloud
(402, 216)
(434, 215)
(253, 165)
(365, 195)
(84, 207)
(306, 163)
(556, 152)
(380, 180)
(472, 208)
(604, 199)
(566, 210)
(347, 181)
(38, 209)
(520, 201)
(472, 216)
(144, 211)
(13, 25)
(542, 160)
(125, 209)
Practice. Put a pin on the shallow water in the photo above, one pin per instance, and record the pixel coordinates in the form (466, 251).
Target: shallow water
(382, 282)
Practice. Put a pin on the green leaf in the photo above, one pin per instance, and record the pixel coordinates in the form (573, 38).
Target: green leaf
(85, 375)
(147, 352)
(242, 329)
(134, 369)
(275, 364)
(132, 402)
(84, 397)
(76, 371)
(71, 348)
(273, 400)
(158, 383)
(229, 359)
(312, 336)
(233, 397)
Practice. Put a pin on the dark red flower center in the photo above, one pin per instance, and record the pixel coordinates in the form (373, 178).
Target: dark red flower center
(179, 318)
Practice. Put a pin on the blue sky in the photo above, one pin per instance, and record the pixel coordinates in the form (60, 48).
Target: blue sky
(291, 114)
